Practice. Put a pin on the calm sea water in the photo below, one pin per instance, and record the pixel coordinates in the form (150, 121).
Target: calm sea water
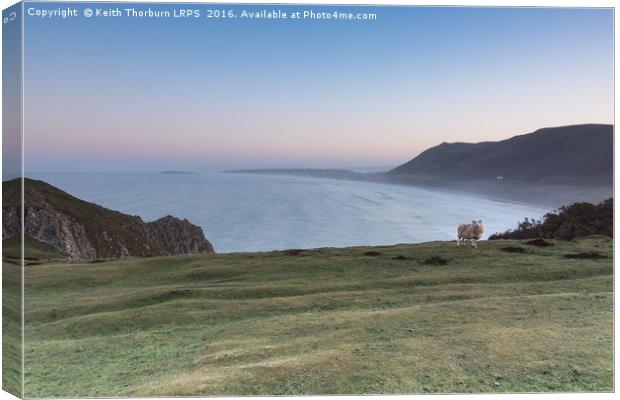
(241, 212)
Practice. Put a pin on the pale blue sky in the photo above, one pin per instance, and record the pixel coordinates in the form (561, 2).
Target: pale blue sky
(122, 93)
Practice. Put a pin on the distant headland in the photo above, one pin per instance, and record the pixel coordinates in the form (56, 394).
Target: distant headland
(551, 167)
(178, 172)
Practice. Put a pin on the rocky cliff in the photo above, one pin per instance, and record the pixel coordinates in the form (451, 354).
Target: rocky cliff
(86, 231)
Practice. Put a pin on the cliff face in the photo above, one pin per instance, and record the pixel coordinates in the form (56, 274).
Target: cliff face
(60, 231)
(179, 236)
(85, 231)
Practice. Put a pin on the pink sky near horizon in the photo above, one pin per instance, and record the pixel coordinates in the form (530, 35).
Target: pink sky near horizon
(314, 142)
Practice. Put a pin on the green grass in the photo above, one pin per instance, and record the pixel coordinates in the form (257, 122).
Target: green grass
(11, 329)
(34, 251)
(326, 321)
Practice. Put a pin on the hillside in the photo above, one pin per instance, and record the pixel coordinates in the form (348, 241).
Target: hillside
(550, 167)
(431, 317)
(84, 231)
(578, 154)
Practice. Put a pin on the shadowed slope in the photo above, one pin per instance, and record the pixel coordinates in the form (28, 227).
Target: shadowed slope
(567, 154)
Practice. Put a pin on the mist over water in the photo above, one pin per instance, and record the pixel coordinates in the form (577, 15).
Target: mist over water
(240, 212)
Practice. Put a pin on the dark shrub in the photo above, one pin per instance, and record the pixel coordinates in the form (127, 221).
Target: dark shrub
(567, 223)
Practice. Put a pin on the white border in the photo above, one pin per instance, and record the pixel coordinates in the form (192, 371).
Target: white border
(480, 3)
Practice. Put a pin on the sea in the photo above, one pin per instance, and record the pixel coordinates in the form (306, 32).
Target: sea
(251, 212)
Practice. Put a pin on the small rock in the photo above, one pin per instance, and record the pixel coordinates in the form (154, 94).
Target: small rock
(497, 384)
(80, 349)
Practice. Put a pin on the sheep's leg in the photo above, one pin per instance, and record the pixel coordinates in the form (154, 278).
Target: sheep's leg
(474, 243)
(458, 241)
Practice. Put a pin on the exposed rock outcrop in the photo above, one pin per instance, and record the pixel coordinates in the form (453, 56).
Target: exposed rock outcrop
(179, 236)
(10, 221)
(86, 231)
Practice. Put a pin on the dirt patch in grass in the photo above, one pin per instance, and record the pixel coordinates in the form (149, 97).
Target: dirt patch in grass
(401, 258)
(434, 260)
(293, 252)
(373, 253)
(33, 263)
(166, 296)
(600, 238)
(539, 243)
(513, 249)
(591, 255)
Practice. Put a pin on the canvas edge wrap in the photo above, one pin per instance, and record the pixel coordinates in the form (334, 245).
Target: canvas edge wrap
(12, 176)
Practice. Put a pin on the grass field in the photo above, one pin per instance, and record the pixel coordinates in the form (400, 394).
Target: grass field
(324, 321)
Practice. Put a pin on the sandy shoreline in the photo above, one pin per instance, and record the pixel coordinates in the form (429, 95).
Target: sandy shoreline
(549, 195)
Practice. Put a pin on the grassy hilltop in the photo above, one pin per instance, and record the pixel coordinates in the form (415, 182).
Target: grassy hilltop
(354, 320)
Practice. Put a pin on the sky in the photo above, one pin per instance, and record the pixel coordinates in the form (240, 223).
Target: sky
(11, 96)
(197, 93)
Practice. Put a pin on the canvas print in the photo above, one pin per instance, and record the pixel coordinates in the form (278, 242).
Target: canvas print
(300, 199)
